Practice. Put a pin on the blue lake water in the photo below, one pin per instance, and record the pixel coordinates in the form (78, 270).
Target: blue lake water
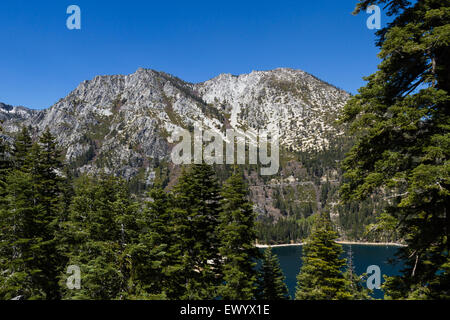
(363, 256)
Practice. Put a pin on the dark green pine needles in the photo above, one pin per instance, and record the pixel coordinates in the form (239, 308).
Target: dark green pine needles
(31, 211)
(401, 120)
(237, 241)
(272, 284)
(321, 276)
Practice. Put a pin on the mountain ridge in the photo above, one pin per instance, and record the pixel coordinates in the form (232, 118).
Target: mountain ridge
(122, 125)
(257, 99)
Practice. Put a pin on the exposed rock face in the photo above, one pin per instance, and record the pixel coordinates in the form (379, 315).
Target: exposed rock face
(304, 107)
(126, 119)
(10, 114)
(122, 123)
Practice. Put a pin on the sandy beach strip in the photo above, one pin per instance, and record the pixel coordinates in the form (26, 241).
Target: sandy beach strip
(341, 242)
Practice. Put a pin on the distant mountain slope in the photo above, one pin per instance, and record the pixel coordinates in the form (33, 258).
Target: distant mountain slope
(9, 113)
(121, 124)
(127, 118)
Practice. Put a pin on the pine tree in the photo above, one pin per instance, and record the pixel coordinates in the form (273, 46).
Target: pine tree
(197, 199)
(6, 166)
(5, 159)
(18, 240)
(355, 282)
(100, 229)
(15, 210)
(21, 149)
(401, 120)
(155, 257)
(237, 235)
(272, 285)
(321, 277)
(48, 184)
(30, 221)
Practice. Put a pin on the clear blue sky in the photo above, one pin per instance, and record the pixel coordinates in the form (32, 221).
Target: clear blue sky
(41, 60)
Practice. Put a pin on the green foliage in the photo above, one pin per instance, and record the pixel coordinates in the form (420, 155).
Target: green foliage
(30, 213)
(100, 229)
(401, 121)
(285, 230)
(22, 147)
(195, 242)
(155, 258)
(5, 164)
(320, 277)
(355, 282)
(385, 228)
(197, 197)
(177, 245)
(271, 284)
(237, 235)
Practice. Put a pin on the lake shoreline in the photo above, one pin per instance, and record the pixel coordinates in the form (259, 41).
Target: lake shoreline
(340, 242)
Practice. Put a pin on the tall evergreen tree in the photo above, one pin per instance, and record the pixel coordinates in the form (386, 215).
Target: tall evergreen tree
(197, 199)
(5, 166)
(401, 120)
(30, 220)
(237, 235)
(355, 282)
(21, 149)
(156, 262)
(272, 285)
(15, 210)
(100, 229)
(5, 158)
(19, 273)
(48, 184)
(321, 277)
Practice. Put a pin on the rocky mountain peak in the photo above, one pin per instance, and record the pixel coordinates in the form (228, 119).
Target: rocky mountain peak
(10, 113)
(120, 123)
